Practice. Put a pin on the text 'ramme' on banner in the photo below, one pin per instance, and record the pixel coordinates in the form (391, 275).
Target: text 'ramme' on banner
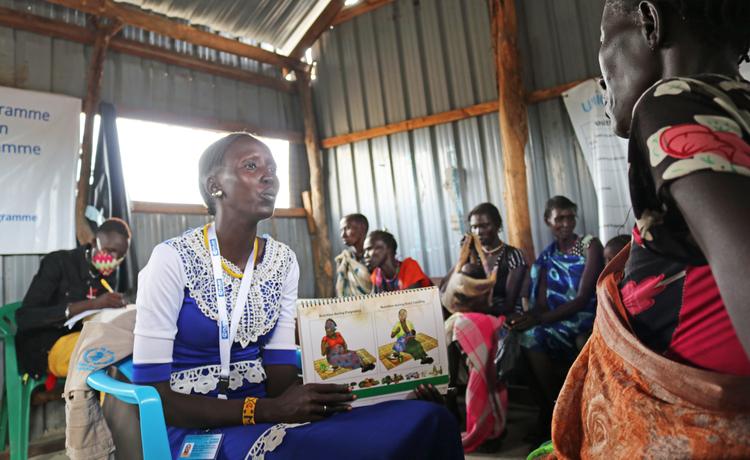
(39, 144)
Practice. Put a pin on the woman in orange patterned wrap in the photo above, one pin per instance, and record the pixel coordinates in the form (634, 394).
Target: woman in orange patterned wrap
(666, 371)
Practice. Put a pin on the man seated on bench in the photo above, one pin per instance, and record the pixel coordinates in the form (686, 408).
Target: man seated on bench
(68, 283)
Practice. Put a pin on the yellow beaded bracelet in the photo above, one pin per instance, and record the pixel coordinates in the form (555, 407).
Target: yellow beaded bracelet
(248, 411)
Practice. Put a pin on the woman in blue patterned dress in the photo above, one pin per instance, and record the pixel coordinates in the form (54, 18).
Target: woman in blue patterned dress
(562, 300)
(260, 410)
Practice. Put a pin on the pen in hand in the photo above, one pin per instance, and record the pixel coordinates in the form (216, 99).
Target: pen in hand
(120, 301)
(106, 285)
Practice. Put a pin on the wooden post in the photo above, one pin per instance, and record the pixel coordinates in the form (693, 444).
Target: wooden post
(307, 206)
(514, 130)
(321, 244)
(90, 104)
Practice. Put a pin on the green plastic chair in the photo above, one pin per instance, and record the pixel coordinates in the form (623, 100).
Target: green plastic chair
(14, 418)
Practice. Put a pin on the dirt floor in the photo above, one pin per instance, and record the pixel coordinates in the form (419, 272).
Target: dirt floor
(521, 420)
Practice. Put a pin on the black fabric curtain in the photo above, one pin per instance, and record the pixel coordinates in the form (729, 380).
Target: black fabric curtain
(107, 193)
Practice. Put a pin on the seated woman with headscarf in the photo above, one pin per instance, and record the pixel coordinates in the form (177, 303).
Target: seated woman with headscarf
(483, 287)
(387, 272)
(563, 302)
(503, 275)
(337, 353)
(214, 335)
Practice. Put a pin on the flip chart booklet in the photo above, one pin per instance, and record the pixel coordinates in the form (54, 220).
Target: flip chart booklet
(382, 345)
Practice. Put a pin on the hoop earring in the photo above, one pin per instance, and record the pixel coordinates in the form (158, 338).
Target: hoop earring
(217, 194)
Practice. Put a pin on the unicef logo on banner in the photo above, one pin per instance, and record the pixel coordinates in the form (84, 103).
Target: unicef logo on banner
(224, 330)
(214, 248)
(96, 358)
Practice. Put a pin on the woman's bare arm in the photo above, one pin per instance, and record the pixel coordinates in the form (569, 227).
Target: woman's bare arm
(513, 285)
(287, 401)
(717, 211)
(194, 411)
(591, 272)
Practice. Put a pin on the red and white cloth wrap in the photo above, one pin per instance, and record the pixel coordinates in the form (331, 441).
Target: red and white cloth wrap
(486, 399)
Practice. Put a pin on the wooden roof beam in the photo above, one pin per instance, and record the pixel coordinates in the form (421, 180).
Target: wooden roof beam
(157, 53)
(476, 110)
(365, 6)
(200, 210)
(320, 25)
(21, 20)
(545, 94)
(136, 17)
(412, 124)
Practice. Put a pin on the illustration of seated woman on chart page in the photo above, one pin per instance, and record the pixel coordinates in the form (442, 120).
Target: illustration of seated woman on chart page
(381, 345)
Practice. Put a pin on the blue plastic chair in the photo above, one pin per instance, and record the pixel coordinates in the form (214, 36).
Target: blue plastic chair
(154, 441)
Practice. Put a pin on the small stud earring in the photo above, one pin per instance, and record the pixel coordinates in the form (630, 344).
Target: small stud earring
(217, 194)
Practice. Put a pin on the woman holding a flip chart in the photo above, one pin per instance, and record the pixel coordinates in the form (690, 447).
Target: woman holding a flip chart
(215, 335)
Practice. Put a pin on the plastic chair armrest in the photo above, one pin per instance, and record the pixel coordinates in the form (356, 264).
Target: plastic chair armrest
(153, 427)
(126, 369)
(8, 319)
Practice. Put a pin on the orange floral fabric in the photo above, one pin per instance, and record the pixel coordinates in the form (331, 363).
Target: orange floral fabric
(622, 400)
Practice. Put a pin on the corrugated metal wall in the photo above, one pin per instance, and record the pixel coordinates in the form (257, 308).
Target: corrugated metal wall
(414, 58)
(152, 229)
(37, 62)
(273, 22)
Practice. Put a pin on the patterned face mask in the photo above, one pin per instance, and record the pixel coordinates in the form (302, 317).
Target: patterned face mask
(104, 262)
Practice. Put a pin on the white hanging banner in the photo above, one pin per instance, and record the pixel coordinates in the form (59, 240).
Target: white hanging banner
(39, 144)
(606, 157)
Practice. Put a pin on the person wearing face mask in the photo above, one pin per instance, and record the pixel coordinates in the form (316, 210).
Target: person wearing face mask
(562, 301)
(68, 282)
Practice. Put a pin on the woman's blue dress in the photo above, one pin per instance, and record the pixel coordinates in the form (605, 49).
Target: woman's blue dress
(563, 272)
(391, 430)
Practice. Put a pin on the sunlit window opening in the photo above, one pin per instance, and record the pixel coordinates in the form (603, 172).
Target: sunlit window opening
(160, 161)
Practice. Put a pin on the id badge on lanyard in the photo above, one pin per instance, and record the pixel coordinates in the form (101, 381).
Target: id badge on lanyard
(201, 446)
(227, 328)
